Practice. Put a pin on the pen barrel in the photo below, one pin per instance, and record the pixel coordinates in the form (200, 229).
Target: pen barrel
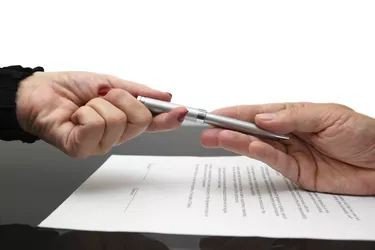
(240, 126)
(158, 106)
(202, 116)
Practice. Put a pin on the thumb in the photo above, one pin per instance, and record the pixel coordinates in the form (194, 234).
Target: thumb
(310, 118)
(138, 89)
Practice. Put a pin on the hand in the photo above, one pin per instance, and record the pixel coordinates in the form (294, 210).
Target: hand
(331, 147)
(83, 113)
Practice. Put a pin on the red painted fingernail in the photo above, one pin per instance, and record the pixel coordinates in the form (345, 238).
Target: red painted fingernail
(181, 117)
(104, 91)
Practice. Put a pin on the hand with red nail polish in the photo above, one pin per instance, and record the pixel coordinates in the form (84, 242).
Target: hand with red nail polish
(331, 147)
(84, 113)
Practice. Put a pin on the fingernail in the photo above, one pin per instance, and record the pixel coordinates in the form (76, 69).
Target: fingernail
(169, 94)
(104, 91)
(266, 117)
(181, 117)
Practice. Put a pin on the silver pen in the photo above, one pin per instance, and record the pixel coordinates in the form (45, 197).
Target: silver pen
(204, 117)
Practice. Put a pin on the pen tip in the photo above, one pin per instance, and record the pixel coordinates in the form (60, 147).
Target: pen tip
(284, 137)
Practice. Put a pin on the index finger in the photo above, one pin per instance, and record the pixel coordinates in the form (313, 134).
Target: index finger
(248, 112)
(138, 89)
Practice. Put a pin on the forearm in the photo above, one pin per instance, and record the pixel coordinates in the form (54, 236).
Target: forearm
(10, 129)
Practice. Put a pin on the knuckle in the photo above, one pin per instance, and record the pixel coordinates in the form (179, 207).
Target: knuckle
(122, 118)
(340, 106)
(304, 104)
(117, 94)
(102, 150)
(295, 111)
(80, 155)
(97, 122)
(75, 149)
(330, 110)
(93, 102)
(117, 119)
(77, 154)
(145, 118)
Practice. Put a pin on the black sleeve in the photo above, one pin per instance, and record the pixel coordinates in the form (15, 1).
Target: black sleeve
(10, 77)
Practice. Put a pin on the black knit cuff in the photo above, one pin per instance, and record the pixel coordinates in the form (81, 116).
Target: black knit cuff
(10, 77)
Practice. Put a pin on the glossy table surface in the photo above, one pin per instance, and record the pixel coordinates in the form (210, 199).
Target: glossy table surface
(36, 179)
(26, 237)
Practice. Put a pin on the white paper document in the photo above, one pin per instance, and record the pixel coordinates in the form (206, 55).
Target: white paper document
(222, 196)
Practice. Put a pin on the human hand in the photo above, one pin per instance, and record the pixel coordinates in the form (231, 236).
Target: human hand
(83, 113)
(331, 147)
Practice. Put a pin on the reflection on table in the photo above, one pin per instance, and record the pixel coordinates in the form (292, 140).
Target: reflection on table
(26, 237)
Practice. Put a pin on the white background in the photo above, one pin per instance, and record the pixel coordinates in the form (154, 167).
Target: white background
(222, 52)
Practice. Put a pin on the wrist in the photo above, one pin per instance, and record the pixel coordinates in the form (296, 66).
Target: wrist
(23, 109)
(10, 83)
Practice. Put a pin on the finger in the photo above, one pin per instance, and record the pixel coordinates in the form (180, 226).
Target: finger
(276, 159)
(271, 153)
(137, 89)
(115, 123)
(168, 121)
(233, 141)
(210, 137)
(248, 112)
(86, 132)
(307, 119)
(138, 116)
